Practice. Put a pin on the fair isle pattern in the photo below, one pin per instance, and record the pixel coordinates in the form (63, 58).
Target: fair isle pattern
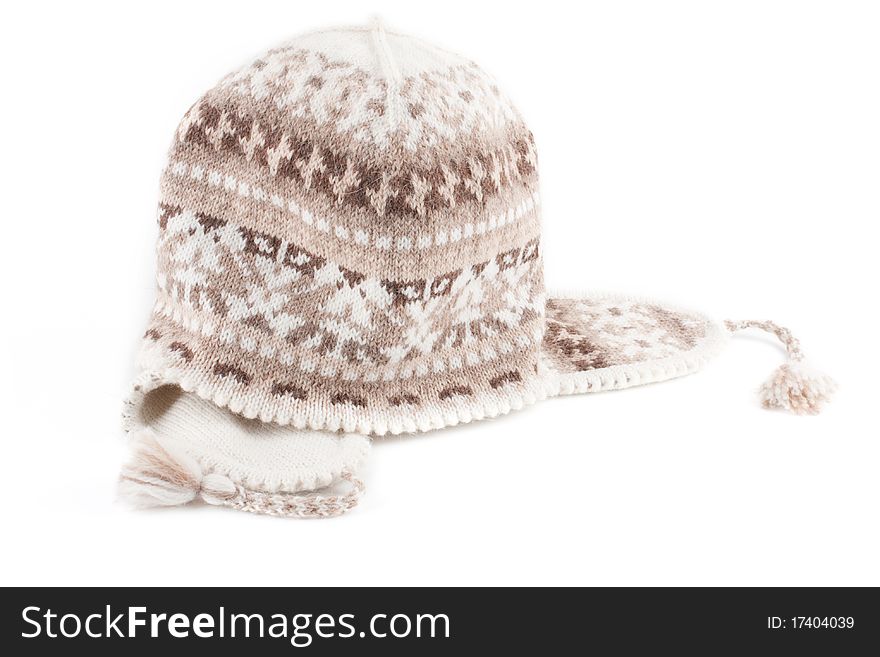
(437, 147)
(218, 180)
(255, 386)
(308, 84)
(593, 334)
(399, 186)
(259, 286)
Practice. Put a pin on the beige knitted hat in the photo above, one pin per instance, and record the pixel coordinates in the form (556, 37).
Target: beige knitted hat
(349, 246)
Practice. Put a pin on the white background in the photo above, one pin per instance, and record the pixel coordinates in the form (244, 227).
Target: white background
(721, 156)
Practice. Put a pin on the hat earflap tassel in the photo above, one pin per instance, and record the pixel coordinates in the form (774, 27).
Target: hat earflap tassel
(161, 476)
(793, 386)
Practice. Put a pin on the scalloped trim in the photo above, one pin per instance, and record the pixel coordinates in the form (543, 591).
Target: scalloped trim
(374, 423)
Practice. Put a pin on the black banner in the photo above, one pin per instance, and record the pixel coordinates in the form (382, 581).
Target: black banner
(437, 621)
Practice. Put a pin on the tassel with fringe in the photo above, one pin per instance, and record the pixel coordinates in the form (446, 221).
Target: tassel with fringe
(793, 386)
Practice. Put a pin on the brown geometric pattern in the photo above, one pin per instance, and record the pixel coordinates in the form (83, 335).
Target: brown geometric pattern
(587, 334)
(399, 188)
(457, 101)
(272, 383)
(263, 285)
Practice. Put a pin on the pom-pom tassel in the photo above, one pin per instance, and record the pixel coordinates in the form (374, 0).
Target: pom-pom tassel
(797, 388)
(793, 386)
(157, 476)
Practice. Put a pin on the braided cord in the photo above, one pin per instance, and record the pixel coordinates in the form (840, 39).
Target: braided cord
(297, 505)
(792, 344)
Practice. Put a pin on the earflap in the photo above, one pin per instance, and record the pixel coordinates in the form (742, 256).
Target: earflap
(187, 448)
(596, 342)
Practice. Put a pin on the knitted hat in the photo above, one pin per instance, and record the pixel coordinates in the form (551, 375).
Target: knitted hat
(349, 246)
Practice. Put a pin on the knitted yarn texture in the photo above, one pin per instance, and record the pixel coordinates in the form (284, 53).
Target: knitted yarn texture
(349, 241)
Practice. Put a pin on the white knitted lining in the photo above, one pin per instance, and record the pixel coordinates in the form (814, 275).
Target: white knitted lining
(257, 455)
